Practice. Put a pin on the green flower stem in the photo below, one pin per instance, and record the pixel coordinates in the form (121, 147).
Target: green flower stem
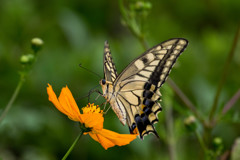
(27, 61)
(13, 98)
(231, 102)
(143, 43)
(201, 142)
(73, 145)
(185, 100)
(224, 74)
(132, 25)
(228, 105)
(170, 132)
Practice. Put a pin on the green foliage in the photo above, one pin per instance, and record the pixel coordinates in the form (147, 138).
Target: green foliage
(236, 150)
(74, 32)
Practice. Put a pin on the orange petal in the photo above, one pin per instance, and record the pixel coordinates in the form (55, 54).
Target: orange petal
(53, 98)
(109, 138)
(65, 103)
(105, 143)
(93, 120)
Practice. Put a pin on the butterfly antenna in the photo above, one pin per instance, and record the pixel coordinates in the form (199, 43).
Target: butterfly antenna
(97, 98)
(80, 65)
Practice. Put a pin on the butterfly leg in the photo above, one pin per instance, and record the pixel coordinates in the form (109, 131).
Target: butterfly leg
(107, 108)
(99, 94)
(97, 98)
(92, 91)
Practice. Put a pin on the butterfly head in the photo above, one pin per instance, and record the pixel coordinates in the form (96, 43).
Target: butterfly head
(106, 86)
(103, 82)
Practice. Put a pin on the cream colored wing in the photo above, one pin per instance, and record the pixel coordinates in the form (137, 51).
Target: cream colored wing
(110, 72)
(137, 87)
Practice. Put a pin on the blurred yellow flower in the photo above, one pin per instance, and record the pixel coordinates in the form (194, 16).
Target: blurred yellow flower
(92, 119)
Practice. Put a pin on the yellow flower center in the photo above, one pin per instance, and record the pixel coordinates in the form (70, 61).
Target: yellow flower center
(91, 108)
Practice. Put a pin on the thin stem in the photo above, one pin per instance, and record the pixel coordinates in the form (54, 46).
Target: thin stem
(73, 145)
(185, 99)
(143, 43)
(200, 140)
(132, 25)
(228, 106)
(27, 62)
(13, 98)
(231, 102)
(224, 74)
(170, 133)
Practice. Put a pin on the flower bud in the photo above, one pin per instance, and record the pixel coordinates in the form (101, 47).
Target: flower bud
(147, 5)
(37, 44)
(190, 123)
(218, 145)
(217, 141)
(141, 6)
(27, 59)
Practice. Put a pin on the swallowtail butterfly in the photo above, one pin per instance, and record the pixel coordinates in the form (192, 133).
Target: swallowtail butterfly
(134, 94)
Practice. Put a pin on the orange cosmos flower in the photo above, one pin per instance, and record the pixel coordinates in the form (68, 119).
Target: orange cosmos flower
(92, 119)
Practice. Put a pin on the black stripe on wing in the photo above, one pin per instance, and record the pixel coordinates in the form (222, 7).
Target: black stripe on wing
(162, 70)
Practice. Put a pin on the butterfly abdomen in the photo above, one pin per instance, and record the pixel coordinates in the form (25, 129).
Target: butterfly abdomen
(108, 94)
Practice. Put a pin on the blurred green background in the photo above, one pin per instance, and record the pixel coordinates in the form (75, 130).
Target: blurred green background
(74, 32)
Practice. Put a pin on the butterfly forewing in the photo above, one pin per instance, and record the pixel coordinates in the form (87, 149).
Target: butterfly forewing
(145, 64)
(167, 55)
(136, 89)
(110, 72)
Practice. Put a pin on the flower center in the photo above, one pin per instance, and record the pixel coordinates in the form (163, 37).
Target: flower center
(91, 108)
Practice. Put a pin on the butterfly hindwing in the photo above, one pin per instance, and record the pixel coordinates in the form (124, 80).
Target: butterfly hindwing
(136, 90)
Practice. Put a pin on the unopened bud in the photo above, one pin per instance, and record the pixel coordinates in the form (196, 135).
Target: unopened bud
(37, 44)
(141, 6)
(218, 145)
(190, 123)
(147, 5)
(217, 141)
(27, 59)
